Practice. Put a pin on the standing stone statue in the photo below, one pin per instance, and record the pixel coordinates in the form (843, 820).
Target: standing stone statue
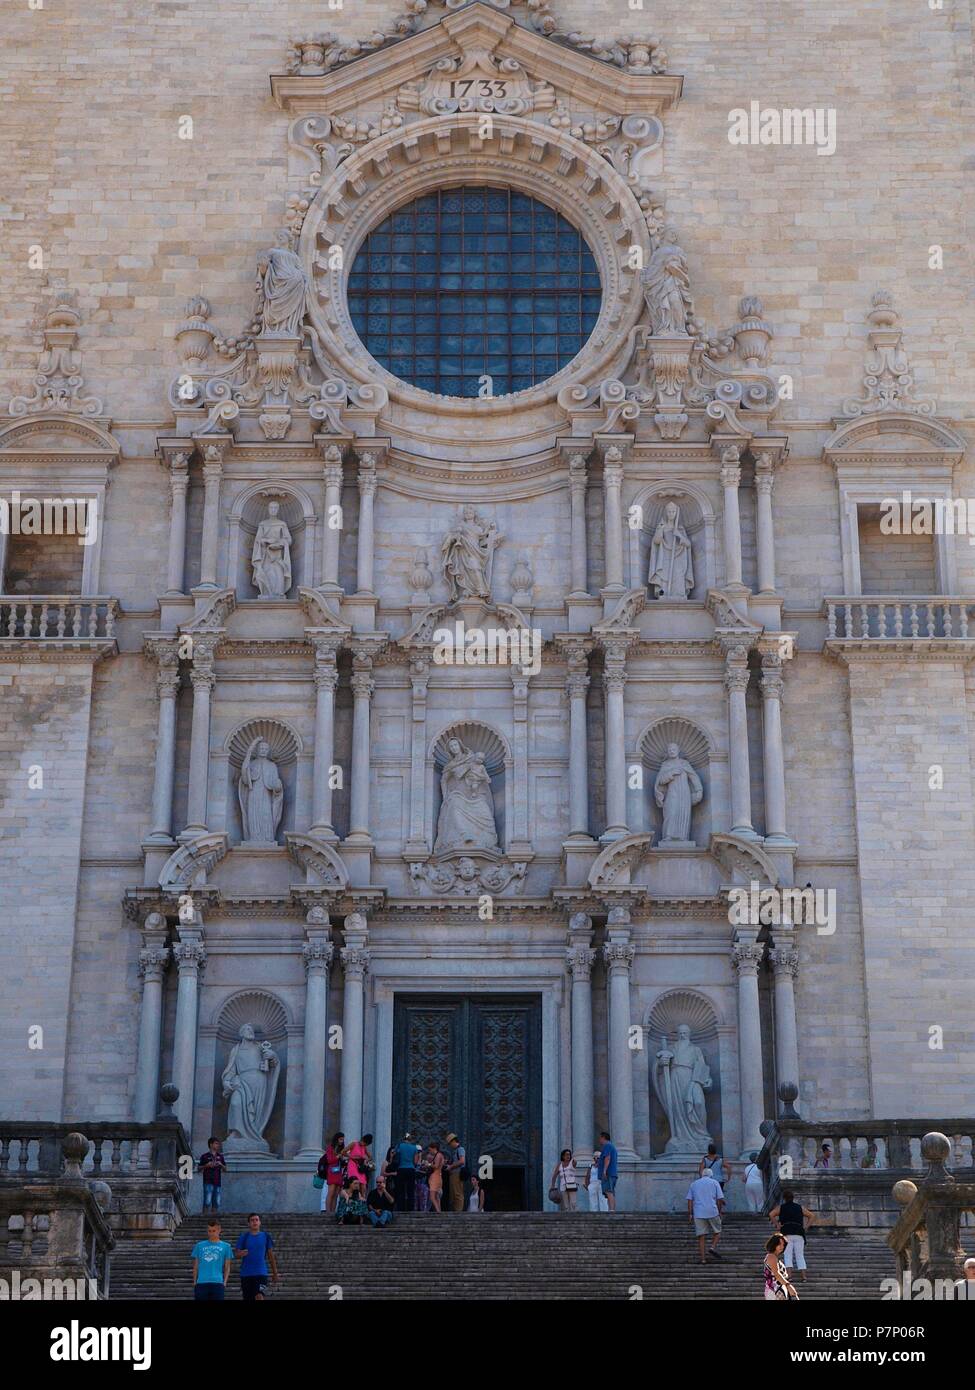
(283, 286)
(666, 287)
(467, 809)
(671, 561)
(467, 556)
(250, 1083)
(681, 1077)
(677, 788)
(261, 794)
(271, 555)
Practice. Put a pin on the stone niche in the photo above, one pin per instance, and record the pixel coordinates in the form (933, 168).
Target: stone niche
(249, 511)
(666, 1015)
(268, 1018)
(696, 748)
(479, 738)
(284, 749)
(696, 518)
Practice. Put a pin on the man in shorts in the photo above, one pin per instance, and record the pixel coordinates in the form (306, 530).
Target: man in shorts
(608, 1168)
(257, 1249)
(705, 1204)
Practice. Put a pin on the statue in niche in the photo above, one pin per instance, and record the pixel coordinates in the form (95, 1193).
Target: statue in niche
(467, 806)
(467, 556)
(671, 561)
(676, 789)
(283, 286)
(271, 555)
(666, 287)
(261, 794)
(681, 1077)
(250, 1084)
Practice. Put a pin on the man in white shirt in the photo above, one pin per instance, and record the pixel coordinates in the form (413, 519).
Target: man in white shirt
(705, 1204)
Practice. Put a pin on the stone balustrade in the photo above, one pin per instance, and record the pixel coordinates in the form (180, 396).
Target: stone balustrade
(54, 617)
(897, 617)
(926, 1240)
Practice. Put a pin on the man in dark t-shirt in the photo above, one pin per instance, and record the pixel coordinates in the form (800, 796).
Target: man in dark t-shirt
(213, 1165)
(792, 1219)
(380, 1204)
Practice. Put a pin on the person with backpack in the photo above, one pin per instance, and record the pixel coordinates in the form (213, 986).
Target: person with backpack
(331, 1168)
(456, 1173)
(713, 1163)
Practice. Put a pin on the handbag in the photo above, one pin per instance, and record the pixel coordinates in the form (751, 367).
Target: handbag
(554, 1195)
(317, 1181)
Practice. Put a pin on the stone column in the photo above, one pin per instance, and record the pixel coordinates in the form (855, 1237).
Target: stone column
(355, 963)
(317, 956)
(362, 691)
(613, 514)
(773, 756)
(730, 479)
(765, 535)
(618, 955)
(578, 478)
(190, 955)
(178, 484)
(3, 561)
(736, 683)
(326, 680)
(577, 686)
(614, 681)
(153, 959)
(579, 959)
(419, 681)
(203, 679)
(785, 965)
(747, 955)
(332, 530)
(212, 473)
(364, 553)
(166, 653)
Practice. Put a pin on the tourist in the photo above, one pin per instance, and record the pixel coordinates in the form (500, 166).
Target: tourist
(331, 1167)
(789, 1215)
(477, 1196)
(754, 1186)
(361, 1163)
(351, 1209)
(421, 1199)
(597, 1198)
(825, 1156)
(257, 1248)
(608, 1168)
(776, 1277)
(456, 1173)
(212, 1259)
(713, 1163)
(388, 1167)
(212, 1165)
(565, 1179)
(705, 1204)
(379, 1204)
(405, 1172)
(966, 1286)
(435, 1162)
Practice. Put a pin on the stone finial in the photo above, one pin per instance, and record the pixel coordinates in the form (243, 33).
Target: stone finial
(169, 1095)
(935, 1150)
(765, 1128)
(102, 1193)
(74, 1147)
(788, 1094)
(888, 382)
(194, 336)
(751, 333)
(904, 1191)
(58, 381)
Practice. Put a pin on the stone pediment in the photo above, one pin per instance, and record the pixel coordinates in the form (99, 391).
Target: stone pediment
(727, 617)
(743, 861)
(472, 613)
(892, 439)
(468, 872)
(213, 616)
(191, 865)
(688, 871)
(323, 866)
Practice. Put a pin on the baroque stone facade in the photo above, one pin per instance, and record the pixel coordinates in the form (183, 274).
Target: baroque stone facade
(252, 802)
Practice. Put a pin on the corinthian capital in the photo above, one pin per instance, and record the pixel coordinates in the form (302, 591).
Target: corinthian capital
(580, 960)
(618, 955)
(746, 956)
(355, 962)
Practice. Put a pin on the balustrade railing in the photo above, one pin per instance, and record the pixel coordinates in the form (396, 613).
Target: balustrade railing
(32, 1151)
(68, 617)
(898, 617)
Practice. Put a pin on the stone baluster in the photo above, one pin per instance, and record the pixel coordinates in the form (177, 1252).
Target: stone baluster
(578, 479)
(747, 956)
(618, 955)
(736, 684)
(212, 474)
(614, 682)
(765, 533)
(190, 955)
(332, 530)
(364, 553)
(363, 687)
(579, 959)
(326, 680)
(773, 754)
(203, 679)
(730, 479)
(166, 653)
(317, 955)
(355, 963)
(153, 959)
(613, 518)
(179, 479)
(785, 965)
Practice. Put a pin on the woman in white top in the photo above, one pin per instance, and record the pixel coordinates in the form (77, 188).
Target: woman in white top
(475, 1201)
(565, 1178)
(597, 1197)
(754, 1186)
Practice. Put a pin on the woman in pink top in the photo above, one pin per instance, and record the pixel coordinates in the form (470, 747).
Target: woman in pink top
(360, 1161)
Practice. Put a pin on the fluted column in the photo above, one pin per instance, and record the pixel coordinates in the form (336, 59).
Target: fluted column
(613, 514)
(618, 955)
(614, 681)
(153, 959)
(190, 955)
(203, 679)
(212, 473)
(577, 687)
(765, 534)
(785, 966)
(317, 955)
(355, 963)
(326, 680)
(166, 653)
(747, 955)
(736, 684)
(578, 479)
(730, 479)
(419, 682)
(773, 754)
(332, 530)
(364, 553)
(178, 485)
(579, 959)
(363, 687)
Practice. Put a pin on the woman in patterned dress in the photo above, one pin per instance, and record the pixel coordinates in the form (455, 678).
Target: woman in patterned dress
(777, 1286)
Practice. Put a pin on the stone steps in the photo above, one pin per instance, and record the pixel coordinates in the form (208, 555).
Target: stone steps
(521, 1256)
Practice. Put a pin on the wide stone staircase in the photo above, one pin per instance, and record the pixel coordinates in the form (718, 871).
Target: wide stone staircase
(513, 1256)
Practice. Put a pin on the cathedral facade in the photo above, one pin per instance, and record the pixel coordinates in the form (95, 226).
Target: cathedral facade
(483, 685)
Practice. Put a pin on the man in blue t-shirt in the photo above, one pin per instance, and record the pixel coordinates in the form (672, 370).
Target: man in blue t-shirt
(608, 1168)
(406, 1172)
(257, 1248)
(212, 1259)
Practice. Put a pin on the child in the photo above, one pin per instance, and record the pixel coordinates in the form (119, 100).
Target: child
(213, 1165)
(211, 1265)
(257, 1249)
